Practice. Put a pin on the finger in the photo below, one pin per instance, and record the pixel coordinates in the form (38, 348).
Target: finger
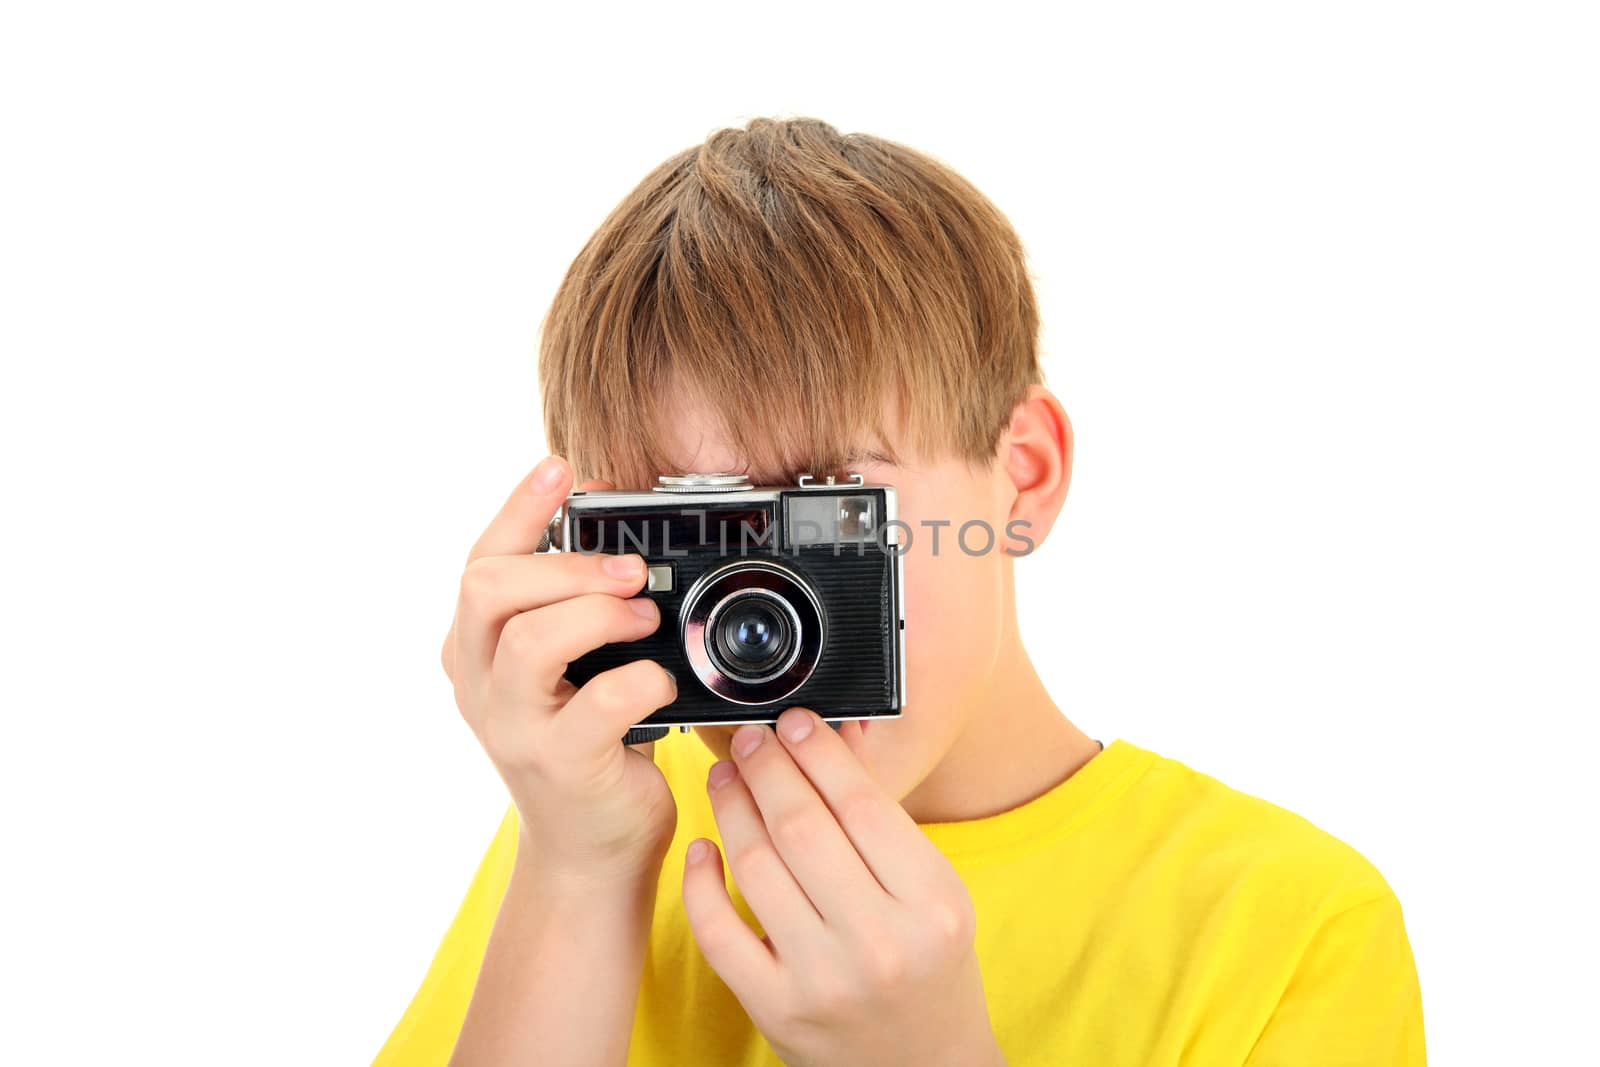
(607, 705)
(854, 734)
(769, 887)
(805, 832)
(534, 648)
(742, 960)
(887, 839)
(527, 512)
(496, 588)
(447, 655)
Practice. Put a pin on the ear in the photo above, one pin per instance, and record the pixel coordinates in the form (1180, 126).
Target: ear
(1036, 455)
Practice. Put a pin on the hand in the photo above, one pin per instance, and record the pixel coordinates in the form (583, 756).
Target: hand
(592, 810)
(868, 953)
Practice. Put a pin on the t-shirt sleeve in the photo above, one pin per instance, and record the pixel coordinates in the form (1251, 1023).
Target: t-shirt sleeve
(427, 1032)
(1353, 999)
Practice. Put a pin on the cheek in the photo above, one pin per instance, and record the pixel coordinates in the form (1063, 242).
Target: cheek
(952, 622)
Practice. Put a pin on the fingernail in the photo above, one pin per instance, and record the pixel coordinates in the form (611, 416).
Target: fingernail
(698, 850)
(643, 607)
(721, 771)
(748, 738)
(547, 475)
(795, 724)
(622, 566)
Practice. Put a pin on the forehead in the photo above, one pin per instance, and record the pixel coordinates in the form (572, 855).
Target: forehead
(695, 439)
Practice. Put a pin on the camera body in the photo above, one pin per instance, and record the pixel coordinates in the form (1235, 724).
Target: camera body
(770, 596)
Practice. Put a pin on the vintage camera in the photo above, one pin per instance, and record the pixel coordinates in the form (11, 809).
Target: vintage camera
(769, 596)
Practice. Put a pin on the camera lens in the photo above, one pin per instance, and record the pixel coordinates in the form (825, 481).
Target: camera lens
(752, 631)
(753, 636)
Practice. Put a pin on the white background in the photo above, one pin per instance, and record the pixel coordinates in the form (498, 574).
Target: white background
(1319, 284)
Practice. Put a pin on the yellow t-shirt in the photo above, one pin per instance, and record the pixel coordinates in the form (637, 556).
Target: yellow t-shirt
(1137, 913)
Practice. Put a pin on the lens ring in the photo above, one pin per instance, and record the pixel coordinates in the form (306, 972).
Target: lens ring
(709, 598)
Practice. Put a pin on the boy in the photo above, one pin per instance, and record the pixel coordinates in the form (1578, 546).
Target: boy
(976, 882)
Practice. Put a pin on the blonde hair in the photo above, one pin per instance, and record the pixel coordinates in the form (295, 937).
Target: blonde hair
(802, 283)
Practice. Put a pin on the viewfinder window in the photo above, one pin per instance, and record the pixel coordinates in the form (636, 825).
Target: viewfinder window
(826, 518)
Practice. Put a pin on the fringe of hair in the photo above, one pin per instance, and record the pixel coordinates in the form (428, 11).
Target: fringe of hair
(803, 283)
